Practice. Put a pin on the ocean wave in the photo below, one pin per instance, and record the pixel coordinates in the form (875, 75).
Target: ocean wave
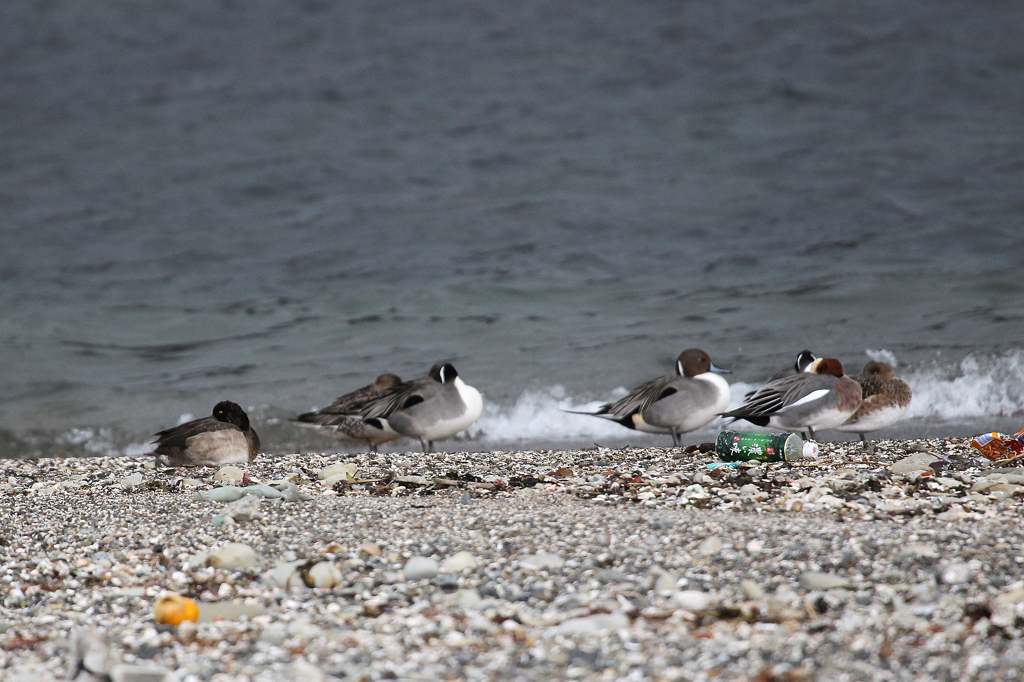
(971, 390)
(977, 386)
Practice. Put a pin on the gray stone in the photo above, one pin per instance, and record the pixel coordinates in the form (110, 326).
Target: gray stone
(956, 573)
(131, 481)
(227, 493)
(420, 568)
(229, 475)
(264, 491)
(229, 610)
(234, 556)
(245, 509)
(323, 574)
(710, 546)
(275, 634)
(593, 625)
(344, 471)
(541, 561)
(915, 463)
(694, 600)
(124, 672)
(816, 580)
(458, 562)
(291, 492)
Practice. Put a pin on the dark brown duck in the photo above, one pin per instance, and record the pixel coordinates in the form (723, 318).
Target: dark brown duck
(225, 437)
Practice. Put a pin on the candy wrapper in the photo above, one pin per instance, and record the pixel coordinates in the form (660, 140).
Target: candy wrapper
(998, 446)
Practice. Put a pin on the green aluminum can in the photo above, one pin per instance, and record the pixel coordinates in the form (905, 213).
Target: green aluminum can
(747, 446)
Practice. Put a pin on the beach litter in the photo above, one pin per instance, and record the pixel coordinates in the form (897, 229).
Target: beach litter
(1000, 447)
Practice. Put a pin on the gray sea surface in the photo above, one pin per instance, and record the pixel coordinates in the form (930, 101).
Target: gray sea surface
(273, 202)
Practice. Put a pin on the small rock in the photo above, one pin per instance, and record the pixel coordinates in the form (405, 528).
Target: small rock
(593, 625)
(458, 562)
(370, 549)
(323, 574)
(301, 671)
(229, 475)
(244, 509)
(467, 599)
(15, 598)
(131, 481)
(291, 492)
(264, 491)
(710, 546)
(815, 580)
(229, 610)
(286, 576)
(666, 583)
(694, 600)
(303, 629)
(1008, 607)
(233, 556)
(753, 591)
(915, 463)
(749, 490)
(420, 567)
(541, 561)
(227, 493)
(137, 673)
(919, 550)
(275, 634)
(956, 573)
(88, 651)
(342, 471)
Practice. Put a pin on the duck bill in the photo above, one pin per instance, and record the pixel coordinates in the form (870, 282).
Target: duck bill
(720, 370)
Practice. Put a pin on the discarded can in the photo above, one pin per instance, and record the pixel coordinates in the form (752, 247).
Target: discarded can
(997, 446)
(745, 446)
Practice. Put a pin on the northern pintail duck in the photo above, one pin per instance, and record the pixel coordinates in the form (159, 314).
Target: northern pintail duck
(802, 364)
(821, 398)
(342, 414)
(225, 437)
(676, 403)
(433, 408)
(886, 399)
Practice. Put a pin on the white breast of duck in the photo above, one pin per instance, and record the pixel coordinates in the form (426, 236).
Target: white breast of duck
(472, 408)
(721, 389)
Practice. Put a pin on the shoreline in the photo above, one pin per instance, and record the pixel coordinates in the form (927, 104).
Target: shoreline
(535, 564)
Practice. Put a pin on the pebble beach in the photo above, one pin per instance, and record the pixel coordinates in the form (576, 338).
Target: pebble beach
(900, 563)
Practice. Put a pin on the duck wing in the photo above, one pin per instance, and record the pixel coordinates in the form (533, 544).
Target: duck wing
(638, 399)
(343, 407)
(780, 394)
(176, 437)
(400, 397)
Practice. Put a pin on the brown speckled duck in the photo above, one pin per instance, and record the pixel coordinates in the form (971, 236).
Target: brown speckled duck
(886, 399)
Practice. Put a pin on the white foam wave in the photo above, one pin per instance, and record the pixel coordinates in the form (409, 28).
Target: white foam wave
(537, 414)
(970, 390)
(883, 355)
(977, 386)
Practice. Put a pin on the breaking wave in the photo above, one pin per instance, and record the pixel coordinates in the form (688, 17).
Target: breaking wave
(975, 388)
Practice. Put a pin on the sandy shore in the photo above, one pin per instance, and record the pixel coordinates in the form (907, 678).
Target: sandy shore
(595, 564)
